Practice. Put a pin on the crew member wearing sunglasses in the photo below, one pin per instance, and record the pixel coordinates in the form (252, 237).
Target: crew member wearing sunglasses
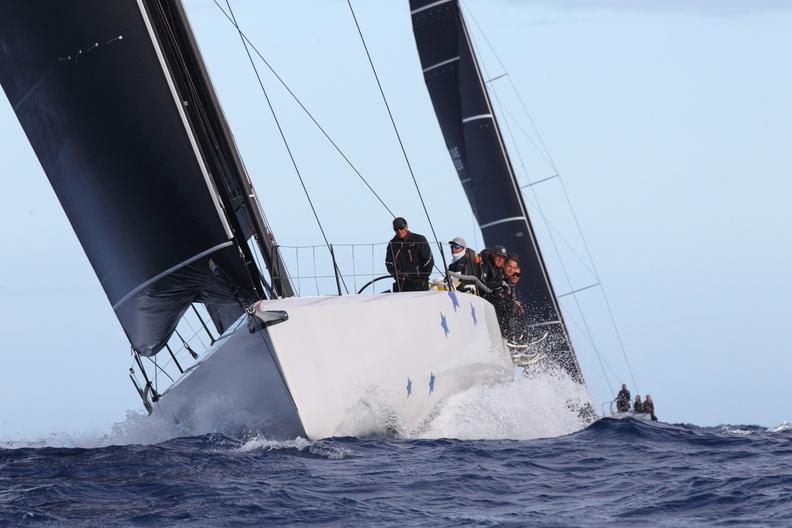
(514, 278)
(465, 261)
(408, 259)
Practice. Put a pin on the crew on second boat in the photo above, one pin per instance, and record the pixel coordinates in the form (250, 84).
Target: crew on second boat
(408, 259)
(638, 406)
(623, 400)
(649, 408)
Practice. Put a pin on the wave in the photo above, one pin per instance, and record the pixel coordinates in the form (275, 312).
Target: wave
(540, 405)
(639, 472)
(783, 427)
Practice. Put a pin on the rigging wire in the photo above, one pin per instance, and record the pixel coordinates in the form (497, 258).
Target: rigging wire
(602, 288)
(396, 130)
(544, 218)
(282, 134)
(557, 251)
(546, 153)
(513, 85)
(586, 329)
(532, 184)
(304, 109)
(601, 360)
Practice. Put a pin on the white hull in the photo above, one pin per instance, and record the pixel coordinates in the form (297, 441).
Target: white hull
(342, 366)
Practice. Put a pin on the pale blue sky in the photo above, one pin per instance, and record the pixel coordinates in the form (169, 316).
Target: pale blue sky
(670, 123)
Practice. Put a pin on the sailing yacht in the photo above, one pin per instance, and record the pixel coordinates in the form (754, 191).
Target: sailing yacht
(125, 122)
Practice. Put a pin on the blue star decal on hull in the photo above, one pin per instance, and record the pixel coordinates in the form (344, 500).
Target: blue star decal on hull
(444, 323)
(473, 314)
(454, 299)
(432, 379)
(409, 387)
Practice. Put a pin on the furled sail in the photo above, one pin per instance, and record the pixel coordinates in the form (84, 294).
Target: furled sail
(93, 90)
(474, 141)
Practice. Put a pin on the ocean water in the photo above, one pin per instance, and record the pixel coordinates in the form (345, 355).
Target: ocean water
(493, 456)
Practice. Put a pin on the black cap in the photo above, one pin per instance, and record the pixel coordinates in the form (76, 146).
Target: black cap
(399, 222)
(499, 251)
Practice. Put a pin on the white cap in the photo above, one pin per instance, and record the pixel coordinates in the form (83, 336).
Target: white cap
(459, 241)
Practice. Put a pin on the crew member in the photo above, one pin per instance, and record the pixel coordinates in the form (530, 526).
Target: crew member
(510, 266)
(507, 307)
(649, 408)
(500, 296)
(492, 261)
(515, 280)
(408, 259)
(515, 276)
(623, 400)
(638, 406)
(466, 262)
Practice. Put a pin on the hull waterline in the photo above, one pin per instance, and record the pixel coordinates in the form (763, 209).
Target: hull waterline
(341, 366)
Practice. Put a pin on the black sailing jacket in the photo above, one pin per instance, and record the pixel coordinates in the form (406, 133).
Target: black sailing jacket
(467, 265)
(410, 261)
(491, 275)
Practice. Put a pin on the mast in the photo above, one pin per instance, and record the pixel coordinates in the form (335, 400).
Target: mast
(475, 143)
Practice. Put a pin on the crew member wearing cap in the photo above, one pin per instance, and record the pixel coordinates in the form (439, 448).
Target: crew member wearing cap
(492, 266)
(408, 258)
(465, 261)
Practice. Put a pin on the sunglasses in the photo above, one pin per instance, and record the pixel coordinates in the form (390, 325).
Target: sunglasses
(516, 274)
(456, 246)
(397, 229)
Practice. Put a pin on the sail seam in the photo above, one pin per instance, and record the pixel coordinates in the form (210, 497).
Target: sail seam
(442, 63)
(502, 221)
(171, 270)
(476, 117)
(429, 6)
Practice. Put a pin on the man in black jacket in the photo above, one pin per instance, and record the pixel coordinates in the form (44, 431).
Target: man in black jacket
(408, 258)
(492, 261)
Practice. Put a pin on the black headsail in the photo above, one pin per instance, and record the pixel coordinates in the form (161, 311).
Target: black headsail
(102, 91)
(474, 140)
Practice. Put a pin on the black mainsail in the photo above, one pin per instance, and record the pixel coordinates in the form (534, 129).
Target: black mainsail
(470, 128)
(116, 103)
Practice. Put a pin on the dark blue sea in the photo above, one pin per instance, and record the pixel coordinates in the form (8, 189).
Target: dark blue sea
(615, 472)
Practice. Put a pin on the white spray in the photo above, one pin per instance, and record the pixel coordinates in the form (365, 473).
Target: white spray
(541, 404)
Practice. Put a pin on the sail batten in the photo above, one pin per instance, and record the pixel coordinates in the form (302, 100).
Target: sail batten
(476, 146)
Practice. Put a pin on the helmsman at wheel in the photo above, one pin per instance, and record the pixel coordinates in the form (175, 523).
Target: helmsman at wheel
(408, 258)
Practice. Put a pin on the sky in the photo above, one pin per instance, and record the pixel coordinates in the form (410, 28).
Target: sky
(669, 123)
